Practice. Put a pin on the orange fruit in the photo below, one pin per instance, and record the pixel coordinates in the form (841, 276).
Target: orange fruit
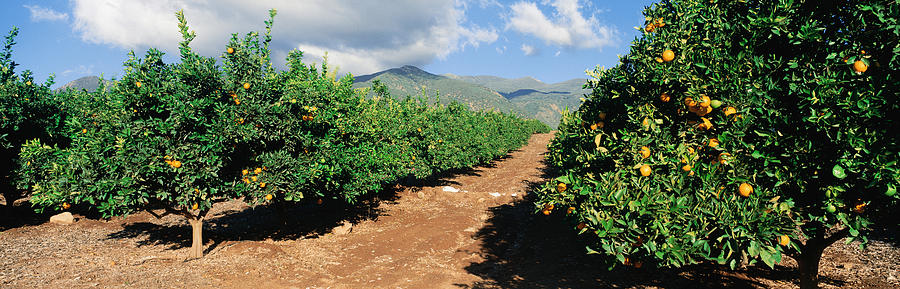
(594, 126)
(860, 66)
(28, 83)
(229, 50)
(246, 85)
(745, 189)
(784, 240)
(645, 170)
(705, 124)
(704, 100)
(244, 172)
(703, 110)
(176, 164)
(602, 115)
(713, 142)
(319, 202)
(237, 101)
(723, 158)
(686, 168)
(253, 178)
(730, 110)
(66, 206)
(570, 210)
(195, 206)
(561, 187)
(659, 60)
(659, 22)
(668, 55)
(84, 130)
(645, 152)
(246, 181)
(665, 97)
(650, 28)
(689, 102)
(859, 208)
(268, 197)
(257, 170)
(262, 185)
(549, 206)
(545, 212)
(137, 83)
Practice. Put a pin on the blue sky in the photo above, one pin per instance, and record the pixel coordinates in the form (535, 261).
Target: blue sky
(551, 40)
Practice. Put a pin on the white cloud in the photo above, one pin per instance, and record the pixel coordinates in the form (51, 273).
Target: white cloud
(557, 53)
(501, 50)
(39, 13)
(529, 50)
(360, 36)
(80, 70)
(568, 28)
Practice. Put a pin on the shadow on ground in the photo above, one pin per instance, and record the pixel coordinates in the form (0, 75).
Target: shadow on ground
(283, 221)
(527, 250)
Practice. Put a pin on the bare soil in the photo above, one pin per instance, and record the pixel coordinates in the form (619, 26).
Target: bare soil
(411, 236)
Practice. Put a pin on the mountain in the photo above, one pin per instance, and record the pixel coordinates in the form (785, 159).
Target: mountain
(543, 101)
(412, 81)
(90, 83)
(526, 96)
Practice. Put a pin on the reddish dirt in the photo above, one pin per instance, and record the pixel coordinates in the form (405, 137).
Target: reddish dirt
(415, 236)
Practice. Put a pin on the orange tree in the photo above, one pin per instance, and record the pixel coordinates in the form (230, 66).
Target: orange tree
(736, 132)
(181, 137)
(27, 110)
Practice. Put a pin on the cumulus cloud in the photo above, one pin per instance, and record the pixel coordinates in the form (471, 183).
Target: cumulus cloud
(39, 14)
(529, 50)
(567, 27)
(359, 36)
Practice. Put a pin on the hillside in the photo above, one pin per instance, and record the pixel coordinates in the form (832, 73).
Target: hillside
(528, 96)
(412, 81)
(543, 101)
(90, 83)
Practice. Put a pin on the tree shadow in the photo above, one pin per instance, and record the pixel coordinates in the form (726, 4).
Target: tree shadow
(281, 220)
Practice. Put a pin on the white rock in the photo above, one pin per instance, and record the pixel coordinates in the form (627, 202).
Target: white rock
(495, 194)
(64, 218)
(450, 189)
(343, 229)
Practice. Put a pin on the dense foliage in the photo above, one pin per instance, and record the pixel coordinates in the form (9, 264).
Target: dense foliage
(186, 135)
(735, 132)
(27, 110)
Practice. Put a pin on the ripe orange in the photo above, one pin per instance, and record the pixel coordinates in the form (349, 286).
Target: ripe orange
(195, 206)
(229, 50)
(246, 85)
(268, 197)
(246, 180)
(237, 101)
(262, 185)
(686, 168)
(549, 206)
(244, 172)
(176, 164)
(645, 170)
(66, 206)
(724, 158)
(650, 28)
(570, 210)
(253, 178)
(860, 66)
(84, 130)
(545, 212)
(689, 102)
(668, 55)
(257, 170)
(664, 97)
(28, 83)
(137, 83)
(784, 240)
(713, 142)
(745, 189)
(704, 101)
(319, 202)
(730, 110)
(594, 126)
(705, 125)
(645, 152)
(561, 187)
(703, 110)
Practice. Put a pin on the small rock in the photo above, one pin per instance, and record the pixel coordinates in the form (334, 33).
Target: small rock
(64, 218)
(450, 189)
(495, 194)
(343, 229)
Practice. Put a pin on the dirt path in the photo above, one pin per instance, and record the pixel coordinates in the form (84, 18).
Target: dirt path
(484, 236)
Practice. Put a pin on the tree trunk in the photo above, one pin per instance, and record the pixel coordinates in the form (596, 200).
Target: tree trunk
(197, 232)
(808, 265)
